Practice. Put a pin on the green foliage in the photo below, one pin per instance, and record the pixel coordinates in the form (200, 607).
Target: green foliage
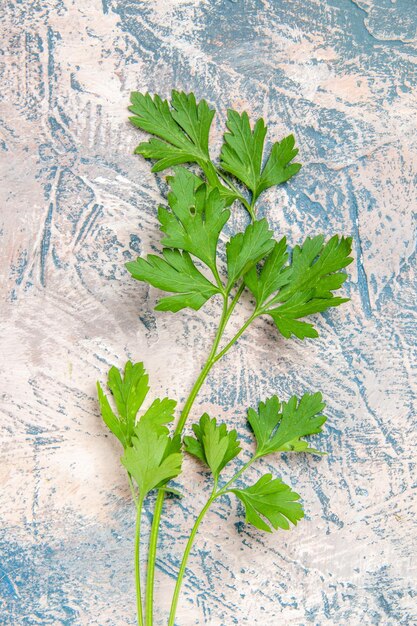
(154, 457)
(272, 275)
(213, 444)
(183, 128)
(242, 155)
(151, 456)
(129, 392)
(174, 272)
(304, 286)
(196, 218)
(245, 249)
(272, 500)
(285, 287)
(278, 427)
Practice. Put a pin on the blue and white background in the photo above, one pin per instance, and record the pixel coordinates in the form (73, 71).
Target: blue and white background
(76, 204)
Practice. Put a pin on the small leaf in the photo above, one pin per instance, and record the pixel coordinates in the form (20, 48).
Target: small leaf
(213, 444)
(160, 412)
(278, 168)
(272, 500)
(243, 148)
(182, 130)
(109, 418)
(129, 392)
(245, 249)
(242, 155)
(304, 286)
(196, 218)
(153, 458)
(300, 305)
(272, 275)
(194, 118)
(174, 272)
(279, 428)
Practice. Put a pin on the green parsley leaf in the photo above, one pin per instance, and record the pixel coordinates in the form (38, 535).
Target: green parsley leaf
(113, 423)
(279, 428)
(154, 457)
(160, 412)
(305, 286)
(184, 128)
(314, 265)
(213, 444)
(246, 249)
(273, 500)
(129, 392)
(174, 272)
(272, 276)
(299, 305)
(278, 168)
(196, 219)
(242, 155)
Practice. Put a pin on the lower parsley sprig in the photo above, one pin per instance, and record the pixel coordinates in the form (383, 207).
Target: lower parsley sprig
(286, 286)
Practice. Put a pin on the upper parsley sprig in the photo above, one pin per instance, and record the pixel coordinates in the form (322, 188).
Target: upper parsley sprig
(182, 128)
(285, 286)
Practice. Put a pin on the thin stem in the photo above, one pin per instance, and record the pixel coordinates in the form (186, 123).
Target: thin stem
(211, 172)
(235, 300)
(218, 280)
(204, 372)
(153, 541)
(132, 489)
(249, 207)
(238, 474)
(186, 554)
(137, 562)
(236, 337)
(215, 494)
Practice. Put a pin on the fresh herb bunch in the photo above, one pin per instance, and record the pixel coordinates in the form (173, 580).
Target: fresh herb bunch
(285, 286)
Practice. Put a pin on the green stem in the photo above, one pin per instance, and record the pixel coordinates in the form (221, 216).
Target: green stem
(215, 494)
(211, 172)
(153, 541)
(238, 474)
(236, 337)
(137, 562)
(211, 360)
(207, 367)
(249, 207)
(186, 554)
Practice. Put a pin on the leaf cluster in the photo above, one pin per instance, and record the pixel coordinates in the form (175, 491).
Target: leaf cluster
(150, 456)
(289, 289)
(286, 287)
(278, 427)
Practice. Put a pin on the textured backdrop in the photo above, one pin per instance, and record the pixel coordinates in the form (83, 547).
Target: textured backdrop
(76, 204)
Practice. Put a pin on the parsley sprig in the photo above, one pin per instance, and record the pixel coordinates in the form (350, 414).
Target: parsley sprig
(286, 285)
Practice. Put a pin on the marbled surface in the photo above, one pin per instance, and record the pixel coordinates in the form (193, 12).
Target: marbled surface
(76, 204)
